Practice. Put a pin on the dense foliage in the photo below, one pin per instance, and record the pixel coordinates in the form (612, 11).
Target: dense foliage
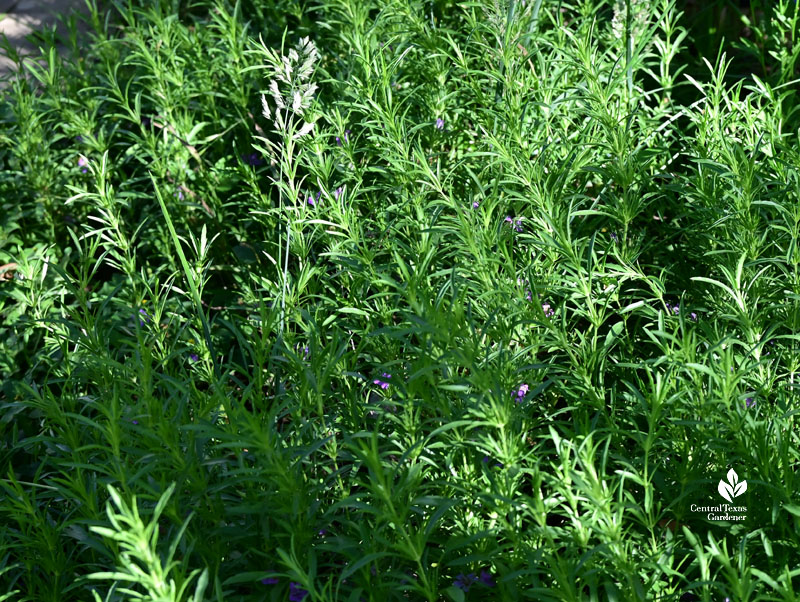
(402, 300)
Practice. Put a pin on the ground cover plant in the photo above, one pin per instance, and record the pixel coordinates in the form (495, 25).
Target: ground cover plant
(402, 300)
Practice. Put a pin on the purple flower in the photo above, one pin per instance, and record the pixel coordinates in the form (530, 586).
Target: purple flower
(270, 581)
(614, 236)
(194, 357)
(337, 193)
(252, 159)
(144, 317)
(464, 582)
(79, 138)
(486, 461)
(179, 194)
(346, 139)
(749, 402)
(311, 200)
(486, 578)
(382, 384)
(83, 162)
(515, 223)
(475, 204)
(521, 392)
(135, 421)
(693, 316)
(439, 123)
(296, 593)
(548, 311)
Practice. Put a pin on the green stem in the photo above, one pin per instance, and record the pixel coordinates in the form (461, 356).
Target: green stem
(198, 305)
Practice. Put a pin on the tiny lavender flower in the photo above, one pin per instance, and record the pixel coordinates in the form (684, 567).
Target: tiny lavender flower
(83, 162)
(514, 223)
(346, 138)
(311, 200)
(749, 402)
(439, 124)
(464, 582)
(337, 193)
(674, 309)
(548, 311)
(497, 464)
(475, 204)
(486, 578)
(522, 282)
(144, 317)
(179, 194)
(521, 392)
(382, 384)
(252, 159)
(194, 357)
(296, 593)
(270, 581)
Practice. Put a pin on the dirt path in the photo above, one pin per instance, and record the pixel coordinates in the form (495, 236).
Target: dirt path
(20, 18)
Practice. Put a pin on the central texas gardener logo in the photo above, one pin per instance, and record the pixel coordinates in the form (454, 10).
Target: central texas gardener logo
(728, 490)
(733, 488)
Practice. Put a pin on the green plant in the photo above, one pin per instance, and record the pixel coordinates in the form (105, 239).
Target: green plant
(449, 301)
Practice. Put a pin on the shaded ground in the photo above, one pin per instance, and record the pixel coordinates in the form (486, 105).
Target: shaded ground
(20, 18)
